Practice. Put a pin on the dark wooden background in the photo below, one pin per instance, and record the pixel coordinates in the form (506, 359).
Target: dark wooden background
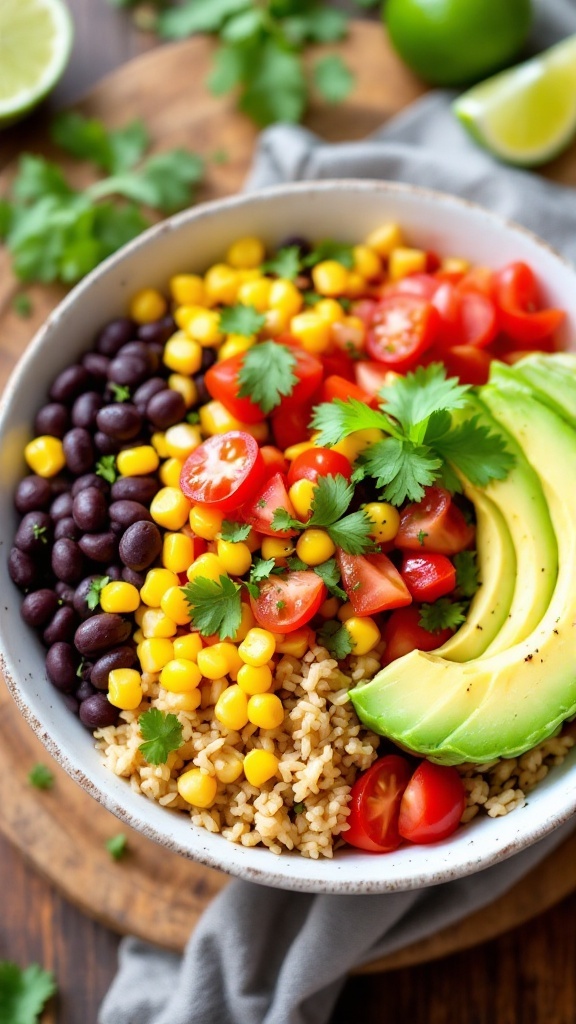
(526, 977)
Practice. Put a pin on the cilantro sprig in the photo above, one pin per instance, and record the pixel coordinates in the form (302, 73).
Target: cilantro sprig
(161, 732)
(117, 846)
(215, 606)
(285, 263)
(233, 532)
(241, 319)
(442, 614)
(332, 498)
(107, 469)
(41, 777)
(24, 993)
(95, 589)
(467, 579)
(336, 639)
(267, 375)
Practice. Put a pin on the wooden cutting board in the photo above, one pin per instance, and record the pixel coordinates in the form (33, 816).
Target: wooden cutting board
(153, 893)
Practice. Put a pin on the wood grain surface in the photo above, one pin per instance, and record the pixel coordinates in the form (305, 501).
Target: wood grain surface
(526, 975)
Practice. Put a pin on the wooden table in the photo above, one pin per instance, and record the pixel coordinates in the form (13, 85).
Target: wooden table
(525, 977)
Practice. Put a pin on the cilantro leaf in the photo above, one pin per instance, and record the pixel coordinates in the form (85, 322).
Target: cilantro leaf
(401, 468)
(285, 263)
(274, 87)
(117, 846)
(22, 305)
(318, 24)
(96, 587)
(161, 732)
(335, 420)
(329, 573)
(467, 581)
(332, 496)
(352, 533)
(336, 639)
(331, 250)
(242, 319)
(283, 521)
(37, 178)
(476, 451)
(234, 532)
(442, 614)
(87, 139)
(332, 78)
(262, 569)
(41, 777)
(106, 468)
(198, 16)
(215, 606)
(23, 993)
(267, 375)
(412, 399)
(120, 392)
(163, 181)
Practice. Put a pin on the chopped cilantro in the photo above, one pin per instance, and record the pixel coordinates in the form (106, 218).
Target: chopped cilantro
(22, 305)
(193, 416)
(330, 250)
(234, 532)
(332, 496)
(280, 605)
(262, 569)
(329, 573)
(241, 319)
(421, 536)
(41, 777)
(467, 581)
(39, 533)
(336, 639)
(117, 846)
(120, 392)
(332, 78)
(162, 733)
(267, 375)
(215, 606)
(311, 298)
(96, 587)
(299, 808)
(24, 993)
(442, 614)
(285, 263)
(106, 468)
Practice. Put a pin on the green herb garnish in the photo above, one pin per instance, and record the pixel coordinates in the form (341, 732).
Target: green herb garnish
(96, 587)
(442, 614)
(41, 777)
(24, 993)
(162, 733)
(267, 375)
(215, 606)
(117, 846)
(336, 639)
(241, 319)
(106, 468)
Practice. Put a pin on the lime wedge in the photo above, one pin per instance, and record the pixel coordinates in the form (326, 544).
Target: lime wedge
(35, 43)
(525, 115)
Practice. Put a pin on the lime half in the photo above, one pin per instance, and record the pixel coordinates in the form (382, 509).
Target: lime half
(526, 115)
(35, 43)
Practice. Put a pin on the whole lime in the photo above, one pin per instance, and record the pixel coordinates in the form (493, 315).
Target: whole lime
(457, 42)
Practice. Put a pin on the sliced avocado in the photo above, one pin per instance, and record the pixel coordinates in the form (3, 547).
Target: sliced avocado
(552, 378)
(498, 706)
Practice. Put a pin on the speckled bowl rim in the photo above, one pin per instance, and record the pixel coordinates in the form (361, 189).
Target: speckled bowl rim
(276, 872)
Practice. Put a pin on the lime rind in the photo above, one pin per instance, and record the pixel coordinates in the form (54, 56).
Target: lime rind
(54, 53)
(526, 115)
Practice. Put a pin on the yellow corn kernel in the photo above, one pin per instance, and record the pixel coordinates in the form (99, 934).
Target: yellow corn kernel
(330, 278)
(177, 552)
(386, 520)
(185, 386)
(454, 265)
(254, 679)
(183, 315)
(385, 238)
(256, 293)
(367, 262)
(235, 345)
(182, 439)
(329, 608)
(170, 471)
(330, 310)
(215, 419)
(138, 636)
(175, 606)
(125, 688)
(212, 662)
(277, 322)
(203, 325)
(205, 522)
(156, 624)
(257, 647)
(170, 508)
(119, 597)
(246, 253)
(301, 495)
(147, 305)
(198, 788)
(183, 701)
(246, 623)
(296, 643)
(356, 285)
(311, 330)
(236, 558)
(276, 547)
(180, 676)
(265, 710)
(260, 766)
(208, 566)
(45, 455)
(228, 764)
(364, 633)
(249, 274)
(285, 297)
(222, 283)
(211, 690)
(403, 261)
(158, 441)
(154, 653)
(315, 546)
(157, 582)
(187, 646)
(229, 652)
(357, 442)
(346, 612)
(231, 708)
(139, 614)
(295, 450)
(140, 461)
(187, 290)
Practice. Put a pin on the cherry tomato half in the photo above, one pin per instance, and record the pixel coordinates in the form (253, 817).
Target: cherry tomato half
(315, 462)
(224, 471)
(403, 633)
(291, 426)
(375, 805)
(259, 512)
(434, 524)
(372, 583)
(370, 376)
(287, 602)
(428, 576)
(516, 293)
(402, 329)
(471, 365)
(432, 804)
(339, 387)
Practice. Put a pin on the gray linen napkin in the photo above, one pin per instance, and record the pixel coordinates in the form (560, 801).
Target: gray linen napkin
(263, 956)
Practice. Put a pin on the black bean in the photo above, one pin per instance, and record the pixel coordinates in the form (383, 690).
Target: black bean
(115, 334)
(34, 533)
(113, 572)
(101, 632)
(128, 512)
(122, 421)
(78, 450)
(135, 488)
(90, 480)
(144, 393)
(70, 383)
(90, 509)
(67, 560)
(61, 627)
(52, 419)
(61, 507)
(59, 485)
(166, 408)
(130, 370)
(23, 569)
(142, 351)
(209, 357)
(81, 594)
(33, 492)
(61, 664)
(133, 577)
(69, 700)
(158, 331)
(84, 691)
(97, 366)
(67, 528)
(65, 592)
(202, 393)
(106, 445)
(140, 545)
(96, 712)
(39, 607)
(120, 657)
(99, 547)
(85, 409)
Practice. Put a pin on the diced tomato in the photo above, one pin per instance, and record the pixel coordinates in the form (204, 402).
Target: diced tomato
(402, 329)
(434, 524)
(291, 426)
(471, 365)
(478, 279)
(287, 602)
(222, 381)
(370, 376)
(274, 460)
(428, 577)
(375, 805)
(432, 804)
(337, 387)
(403, 633)
(516, 293)
(372, 583)
(315, 462)
(467, 317)
(338, 363)
(259, 512)
(224, 471)
(423, 286)
(364, 309)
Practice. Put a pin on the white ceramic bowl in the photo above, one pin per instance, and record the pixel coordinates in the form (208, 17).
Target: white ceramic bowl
(346, 210)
